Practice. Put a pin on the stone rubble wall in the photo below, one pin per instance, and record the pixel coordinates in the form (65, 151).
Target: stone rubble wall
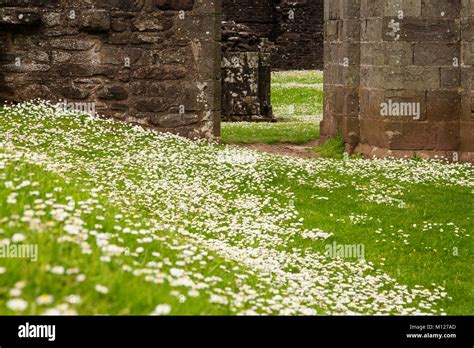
(151, 62)
(400, 53)
(246, 76)
(258, 15)
(296, 29)
(299, 35)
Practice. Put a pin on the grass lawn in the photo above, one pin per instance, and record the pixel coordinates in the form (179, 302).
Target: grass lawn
(295, 131)
(332, 148)
(297, 99)
(128, 221)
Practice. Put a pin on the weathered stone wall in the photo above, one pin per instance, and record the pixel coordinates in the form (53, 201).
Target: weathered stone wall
(153, 62)
(294, 27)
(467, 79)
(299, 34)
(399, 77)
(342, 71)
(258, 15)
(246, 76)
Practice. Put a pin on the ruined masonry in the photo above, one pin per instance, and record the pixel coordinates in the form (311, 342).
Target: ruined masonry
(246, 75)
(295, 28)
(399, 77)
(398, 73)
(151, 62)
(259, 36)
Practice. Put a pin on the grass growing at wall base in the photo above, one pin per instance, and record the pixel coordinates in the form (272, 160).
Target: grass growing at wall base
(332, 148)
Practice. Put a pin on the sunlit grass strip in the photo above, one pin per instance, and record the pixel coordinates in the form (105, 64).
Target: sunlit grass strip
(302, 101)
(308, 77)
(299, 132)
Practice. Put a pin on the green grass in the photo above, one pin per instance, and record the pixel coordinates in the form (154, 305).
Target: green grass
(128, 295)
(307, 77)
(433, 256)
(231, 219)
(270, 133)
(297, 93)
(332, 148)
(297, 99)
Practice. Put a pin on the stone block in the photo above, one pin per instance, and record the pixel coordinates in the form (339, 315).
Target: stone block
(176, 5)
(443, 105)
(450, 77)
(437, 54)
(114, 92)
(95, 20)
(19, 17)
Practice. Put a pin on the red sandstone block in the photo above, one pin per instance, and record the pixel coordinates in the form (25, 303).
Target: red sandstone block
(351, 9)
(468, 29)
(467, 136)
(437, 54)
(372, 30)
(443, 105)
(398, 53)
(370, 102)
(412, 77)
(414, 29)
(448, 136)
(419, 135)
(372, 8)
(372, 131)
(450, 77)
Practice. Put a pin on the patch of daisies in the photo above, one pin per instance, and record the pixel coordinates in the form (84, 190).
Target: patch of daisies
(203, 200)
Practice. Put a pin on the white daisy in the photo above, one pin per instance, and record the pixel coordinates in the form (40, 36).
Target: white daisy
(162, 309)
(45, 299)
(17, 305)
(101, 289)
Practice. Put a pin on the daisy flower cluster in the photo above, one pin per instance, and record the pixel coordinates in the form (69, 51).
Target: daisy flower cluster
(200, 202)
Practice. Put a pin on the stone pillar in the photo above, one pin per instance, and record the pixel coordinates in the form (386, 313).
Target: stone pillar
(414, 95)
(410, 98)
(246, 87)
(342, 70)
(467, 81)
(246, 76)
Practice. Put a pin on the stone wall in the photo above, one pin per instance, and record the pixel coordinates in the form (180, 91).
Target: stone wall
(152, 62)
(294, 27)
(342, 71)
(467, 79)
(258, 15)
(246, 76)
(299, 34)
(398, 77)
